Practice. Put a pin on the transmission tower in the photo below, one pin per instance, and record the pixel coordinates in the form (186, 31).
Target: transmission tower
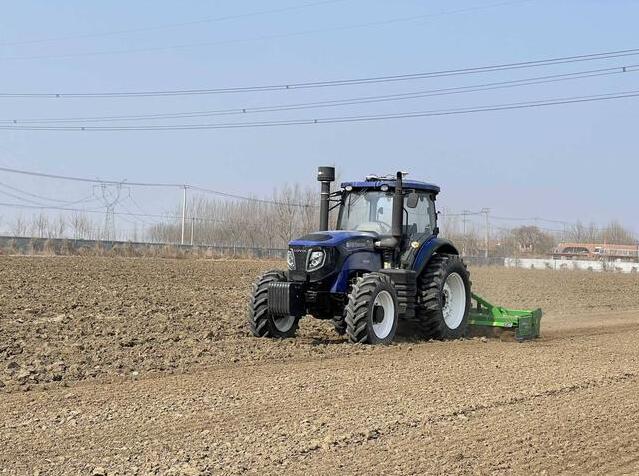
(110, 195)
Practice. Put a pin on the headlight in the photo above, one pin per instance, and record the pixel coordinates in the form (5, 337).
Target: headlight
(290, 259)
(315, 260)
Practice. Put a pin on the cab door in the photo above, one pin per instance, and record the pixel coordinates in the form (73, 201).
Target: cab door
(419, 224)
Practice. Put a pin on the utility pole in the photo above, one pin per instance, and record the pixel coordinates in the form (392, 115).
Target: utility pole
(464, 215)
(486, 211)
(183, 215)
(192, 229)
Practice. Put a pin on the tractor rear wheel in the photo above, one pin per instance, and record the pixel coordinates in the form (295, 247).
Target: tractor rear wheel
(261, 322)
(371, 312)
(443, 298)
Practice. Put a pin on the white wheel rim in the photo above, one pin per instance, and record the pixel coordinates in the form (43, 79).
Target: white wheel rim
(284, 323)
(454, 297)
(384, 301)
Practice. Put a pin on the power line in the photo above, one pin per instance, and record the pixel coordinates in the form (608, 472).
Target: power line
(531, 219)
(549, 230)
(9, 194)
(339, 82)
(339, 119)
(87, 180)
(339, 102)
(136, 220)
(139, 216)
(534, 220)
(464, 214)
(170, 25)
(265, 37)
(241, 197)
(31, 201)
(100, 211)
(48, 199)
(137, 205)
(151, 184)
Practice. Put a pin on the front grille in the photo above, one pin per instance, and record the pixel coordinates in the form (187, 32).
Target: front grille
(300, 258)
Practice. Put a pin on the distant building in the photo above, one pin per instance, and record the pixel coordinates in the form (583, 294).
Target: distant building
(597, 251)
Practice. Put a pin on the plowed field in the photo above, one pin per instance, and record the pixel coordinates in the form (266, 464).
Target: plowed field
(138, 366)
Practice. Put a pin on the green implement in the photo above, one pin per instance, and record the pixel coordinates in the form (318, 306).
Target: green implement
(526, 323)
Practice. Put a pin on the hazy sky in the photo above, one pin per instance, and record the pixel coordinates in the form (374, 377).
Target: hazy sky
(565, 162)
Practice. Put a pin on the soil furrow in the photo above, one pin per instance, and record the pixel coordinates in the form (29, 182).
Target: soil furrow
(146, 367)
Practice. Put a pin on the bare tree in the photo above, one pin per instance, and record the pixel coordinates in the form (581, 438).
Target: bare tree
(251, 223)
(581, 233)
(286, 211)
(40, 225)
(58, 227)
(616, 234)
(80, 225)
(19, 226)
(294, 212)
(531, 239)
(310, 212)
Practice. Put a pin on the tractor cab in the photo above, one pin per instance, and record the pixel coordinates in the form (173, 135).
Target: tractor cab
(368, 206)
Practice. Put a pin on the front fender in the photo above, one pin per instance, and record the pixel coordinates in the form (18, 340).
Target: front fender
(366, 261)
(429, 248)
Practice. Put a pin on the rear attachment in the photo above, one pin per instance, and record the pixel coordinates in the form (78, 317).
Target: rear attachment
(484, 316)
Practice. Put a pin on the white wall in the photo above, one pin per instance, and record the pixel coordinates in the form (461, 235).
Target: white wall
(586, 265)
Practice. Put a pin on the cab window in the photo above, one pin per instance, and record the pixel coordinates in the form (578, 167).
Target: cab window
(420, 219)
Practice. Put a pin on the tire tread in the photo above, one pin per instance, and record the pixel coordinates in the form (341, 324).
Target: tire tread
(259, 321)
(428, 318)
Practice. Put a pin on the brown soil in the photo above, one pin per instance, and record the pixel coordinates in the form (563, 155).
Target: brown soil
(88, 346)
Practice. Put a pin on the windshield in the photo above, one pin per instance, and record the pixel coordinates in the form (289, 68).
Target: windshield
(366, 210)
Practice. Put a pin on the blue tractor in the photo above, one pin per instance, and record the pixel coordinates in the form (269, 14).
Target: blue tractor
(384, 263)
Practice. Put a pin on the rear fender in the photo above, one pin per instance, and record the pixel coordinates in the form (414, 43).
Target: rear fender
(365, 261)
(429, 248)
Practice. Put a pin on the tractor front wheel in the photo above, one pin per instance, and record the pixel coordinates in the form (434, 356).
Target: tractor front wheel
(261, 322)
(443, 298)
(371, 312)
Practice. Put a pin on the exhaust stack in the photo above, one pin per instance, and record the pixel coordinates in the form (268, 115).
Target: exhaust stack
(398, 209)
(325, 175)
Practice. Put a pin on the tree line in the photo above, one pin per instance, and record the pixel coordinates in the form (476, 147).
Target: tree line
(293, 211)
(534, 240)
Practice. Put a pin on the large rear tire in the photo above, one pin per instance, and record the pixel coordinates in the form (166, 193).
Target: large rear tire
(371, 312)
(260, 321)
(443, 298)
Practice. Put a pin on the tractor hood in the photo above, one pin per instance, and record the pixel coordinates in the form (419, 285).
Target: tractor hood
(332, 238)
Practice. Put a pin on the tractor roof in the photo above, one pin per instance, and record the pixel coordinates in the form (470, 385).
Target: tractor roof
(378, 182)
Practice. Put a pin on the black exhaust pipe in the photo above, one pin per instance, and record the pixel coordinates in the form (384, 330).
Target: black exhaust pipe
(325, 175)
(398, 210)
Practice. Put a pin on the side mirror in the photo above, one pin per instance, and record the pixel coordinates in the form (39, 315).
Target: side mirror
(412, 200)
